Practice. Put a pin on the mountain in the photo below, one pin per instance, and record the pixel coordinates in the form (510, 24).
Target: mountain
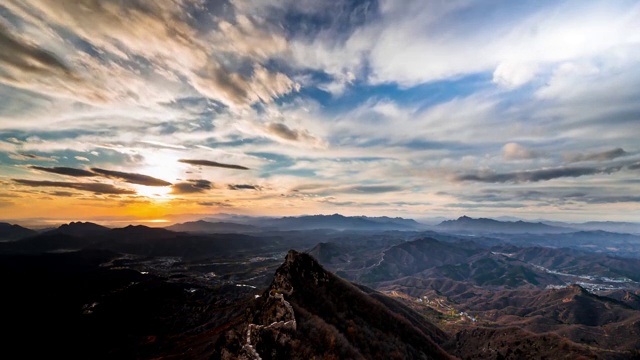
(341, 222)
(414, 256)
(207, 227)
(434, 220)
(141, 232)
(308, 312)
(610, 226)
(9, 232)
(581, 264)
(391, 221)
(490, 270)
(238, 219)
(328, 252)
(79, 229)
(144, 241)
(466, 224)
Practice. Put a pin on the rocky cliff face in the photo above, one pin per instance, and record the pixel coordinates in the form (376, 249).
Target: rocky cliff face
(308, 312)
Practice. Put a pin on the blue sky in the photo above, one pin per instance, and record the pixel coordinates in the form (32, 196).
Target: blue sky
(413, 108)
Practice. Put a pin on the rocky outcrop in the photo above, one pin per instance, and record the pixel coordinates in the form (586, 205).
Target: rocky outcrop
(308, 312)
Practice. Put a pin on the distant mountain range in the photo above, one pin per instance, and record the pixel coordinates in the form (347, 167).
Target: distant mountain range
(9, 232)
(202, 226)
(79, 229)
(341, 222)
(230, 223)
(466, 224)
(236, 223)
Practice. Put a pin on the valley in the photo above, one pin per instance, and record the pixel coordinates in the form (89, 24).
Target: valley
(158, 292)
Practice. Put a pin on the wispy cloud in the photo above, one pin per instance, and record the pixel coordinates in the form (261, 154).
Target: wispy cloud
(535, 175)
(65, 171)
(597, 156)
(26, 157)
(283, 131)
(243, 187)
(132, 178)
(97, 188)
(212, 164)
(20, 57)
(214, 203)
(191, 187)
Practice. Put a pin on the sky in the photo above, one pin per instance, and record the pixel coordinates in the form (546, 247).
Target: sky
(143, 110)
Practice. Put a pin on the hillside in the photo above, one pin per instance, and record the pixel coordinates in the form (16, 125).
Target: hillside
(308, 312)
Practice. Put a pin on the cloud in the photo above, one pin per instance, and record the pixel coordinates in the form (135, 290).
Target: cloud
(62, 193)
(514, 151)
(368, 189)
(214, 203)
(97, 188)
(326, 190)
(65, 171)
(282, 131)
(243, 187)
(535, 175)
(132, 178)
(597, 156)
(512, 75)
(635, 166)
(81, 158)
(19, 57)
(164, 145)
(217, 52)
(212, 164)
(613, 199)
(191, 187)
(14, 140)
(25, 157)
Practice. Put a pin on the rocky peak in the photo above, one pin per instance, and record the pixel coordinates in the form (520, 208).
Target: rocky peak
(577, 289)
(298, 269)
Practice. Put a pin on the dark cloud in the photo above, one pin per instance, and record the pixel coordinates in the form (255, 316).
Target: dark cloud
(65, 171)
(535, 175)
(132, 178)
(97, 188)
(283, 131)
(192, 186)
(61, 193)
(598, 156)
(212, 164)
(635, 166)
(243, 187)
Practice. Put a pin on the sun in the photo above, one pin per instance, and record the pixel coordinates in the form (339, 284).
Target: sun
(154, 192)
(162, 164)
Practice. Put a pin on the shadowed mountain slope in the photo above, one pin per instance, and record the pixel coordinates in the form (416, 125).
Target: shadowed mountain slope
(308, 312)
